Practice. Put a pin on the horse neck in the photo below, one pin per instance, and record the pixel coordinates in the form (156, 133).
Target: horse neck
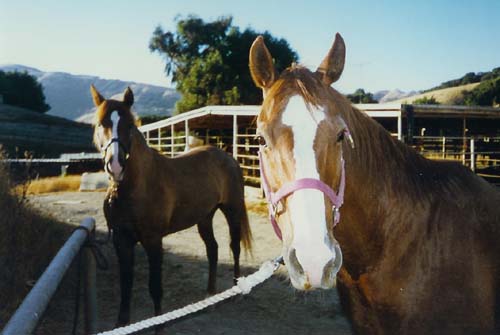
(375, 172)
(140, 162)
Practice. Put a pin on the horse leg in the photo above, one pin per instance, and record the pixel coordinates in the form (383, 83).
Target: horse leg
(206, 231)
(124, 247)
(154, 250)
(234, 222)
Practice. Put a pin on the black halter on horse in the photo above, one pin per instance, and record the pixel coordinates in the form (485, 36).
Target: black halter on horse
(122, 159)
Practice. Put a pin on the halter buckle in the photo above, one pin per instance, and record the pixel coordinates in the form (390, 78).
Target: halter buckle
(336, 214)
(277, 208)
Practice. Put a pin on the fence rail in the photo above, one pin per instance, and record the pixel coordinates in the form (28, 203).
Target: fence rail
(480, 153)
(236, 135)
(28, 315)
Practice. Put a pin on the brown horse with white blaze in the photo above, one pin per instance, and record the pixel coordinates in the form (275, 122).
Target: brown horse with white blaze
(152, 196)
(419, 238)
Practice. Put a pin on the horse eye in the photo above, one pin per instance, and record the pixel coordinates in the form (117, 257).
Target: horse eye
(341, 136)
(260, 140)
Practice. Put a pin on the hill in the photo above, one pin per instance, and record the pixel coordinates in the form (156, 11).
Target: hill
(445, 96)
(469, 78)
(388, 96)
(69, 94)
(44, 135)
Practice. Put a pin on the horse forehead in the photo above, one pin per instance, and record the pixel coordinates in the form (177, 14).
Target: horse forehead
(303, 118)
(115, 117)
(109, 107)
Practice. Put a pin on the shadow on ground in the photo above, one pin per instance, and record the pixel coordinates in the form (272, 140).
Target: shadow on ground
(271, 308)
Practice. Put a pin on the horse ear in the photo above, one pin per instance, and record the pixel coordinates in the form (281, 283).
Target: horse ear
(96, 96)
(261, 64)
(332, 66)
(128, 97)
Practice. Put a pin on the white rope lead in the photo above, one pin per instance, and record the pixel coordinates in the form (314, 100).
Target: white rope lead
(244, 286)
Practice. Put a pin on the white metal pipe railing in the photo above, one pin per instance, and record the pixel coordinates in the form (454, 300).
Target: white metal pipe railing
(27, 316)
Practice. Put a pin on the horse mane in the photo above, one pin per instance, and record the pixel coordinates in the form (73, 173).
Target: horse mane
(384, 161)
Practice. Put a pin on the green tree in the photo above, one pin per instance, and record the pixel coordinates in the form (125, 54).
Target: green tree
(485, 94)
(361, 97)
(208, 61)
(21, 89)
(426, 101)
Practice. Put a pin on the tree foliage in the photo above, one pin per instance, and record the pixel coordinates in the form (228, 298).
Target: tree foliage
(147, 119)
(208, 61)
(361, 97)
(21, 89)
(469, 78)
(426, 101)
(485, 94)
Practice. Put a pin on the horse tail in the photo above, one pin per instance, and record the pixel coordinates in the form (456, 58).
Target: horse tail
(245, 231)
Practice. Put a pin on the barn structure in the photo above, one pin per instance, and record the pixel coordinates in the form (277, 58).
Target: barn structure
(470, 135)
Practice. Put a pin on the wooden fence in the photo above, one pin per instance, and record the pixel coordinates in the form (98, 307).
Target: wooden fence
(233, 128)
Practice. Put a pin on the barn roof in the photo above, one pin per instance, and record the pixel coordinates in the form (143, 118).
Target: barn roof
(222, 117)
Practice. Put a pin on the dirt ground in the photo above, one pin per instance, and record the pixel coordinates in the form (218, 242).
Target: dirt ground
(271, 308)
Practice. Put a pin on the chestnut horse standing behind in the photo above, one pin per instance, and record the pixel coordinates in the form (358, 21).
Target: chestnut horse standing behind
(420, 238)
(152, 196)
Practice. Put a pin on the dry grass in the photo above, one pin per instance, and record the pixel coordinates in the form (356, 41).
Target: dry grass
(54, 184)
(28, 241)
(257, 206)
(445, 96)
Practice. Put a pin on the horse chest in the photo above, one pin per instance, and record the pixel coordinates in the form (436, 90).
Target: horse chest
(119, 216)
(374, 306)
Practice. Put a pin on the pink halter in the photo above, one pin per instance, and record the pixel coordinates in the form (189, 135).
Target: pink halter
(273, 198)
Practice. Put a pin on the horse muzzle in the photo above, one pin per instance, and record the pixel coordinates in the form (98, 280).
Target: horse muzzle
(114, 169)
(308, 272)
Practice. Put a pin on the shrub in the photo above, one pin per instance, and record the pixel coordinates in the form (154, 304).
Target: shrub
(426, 101)
(28, 242)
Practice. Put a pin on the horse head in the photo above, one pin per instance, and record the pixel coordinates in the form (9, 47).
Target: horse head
(113, 127)
(301, 137)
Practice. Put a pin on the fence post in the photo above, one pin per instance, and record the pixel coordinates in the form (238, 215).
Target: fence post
(172, 140)
(444, 148)
(235, 137)
(186, 129)
(159, 141)
(407, 111)
(89, 289)
(472, 156)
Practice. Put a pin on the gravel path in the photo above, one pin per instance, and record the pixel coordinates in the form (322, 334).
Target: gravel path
(272, 308)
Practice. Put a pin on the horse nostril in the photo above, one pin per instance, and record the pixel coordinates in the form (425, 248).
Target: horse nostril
(121, 159)
(294, 262)
(107, 166)
(333, 266)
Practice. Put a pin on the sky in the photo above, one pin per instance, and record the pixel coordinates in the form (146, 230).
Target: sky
(409, 45)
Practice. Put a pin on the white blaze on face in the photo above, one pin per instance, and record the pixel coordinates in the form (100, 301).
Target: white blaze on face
(307, 207)
(115, 166)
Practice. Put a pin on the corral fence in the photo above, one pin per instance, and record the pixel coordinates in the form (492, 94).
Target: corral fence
(480, 153)
(30, 312)
(33, 168)
(232, 128)
(470, 135)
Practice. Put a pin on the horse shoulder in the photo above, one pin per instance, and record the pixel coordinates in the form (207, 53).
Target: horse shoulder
(374, 306)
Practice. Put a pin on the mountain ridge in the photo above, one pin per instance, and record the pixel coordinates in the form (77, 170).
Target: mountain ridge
(69, 94)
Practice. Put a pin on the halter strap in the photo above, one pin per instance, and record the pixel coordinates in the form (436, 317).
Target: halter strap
(273, 198)
(104, 151)
(111, 141)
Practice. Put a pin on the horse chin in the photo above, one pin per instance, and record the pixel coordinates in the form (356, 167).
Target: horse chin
(115, 177)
